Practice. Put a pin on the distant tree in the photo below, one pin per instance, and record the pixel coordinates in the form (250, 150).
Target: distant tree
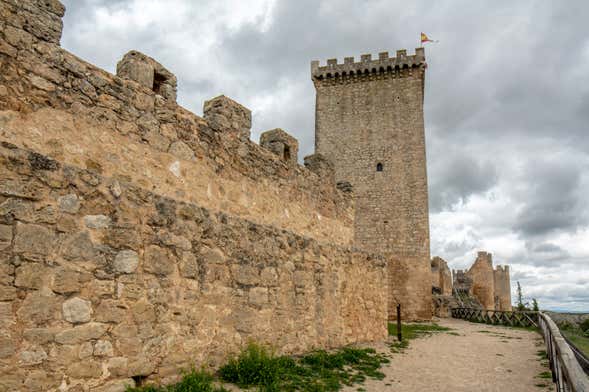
(520, 298)
(535, 307)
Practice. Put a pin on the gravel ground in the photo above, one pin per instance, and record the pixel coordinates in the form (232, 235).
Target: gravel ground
(466, 359)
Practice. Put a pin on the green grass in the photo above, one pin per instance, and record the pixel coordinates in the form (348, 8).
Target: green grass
(193, 381)
(257, 366)
(413, 331)
(544, 375)
(578, 339)
(542, 354)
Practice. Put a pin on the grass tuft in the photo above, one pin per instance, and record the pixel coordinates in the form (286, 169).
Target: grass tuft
(413, 331)
(193, 381)
(257, 366)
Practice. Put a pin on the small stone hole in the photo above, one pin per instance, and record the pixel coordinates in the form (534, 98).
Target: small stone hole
(286, 155)
(139, 380)
(158, 81)
(379, 167)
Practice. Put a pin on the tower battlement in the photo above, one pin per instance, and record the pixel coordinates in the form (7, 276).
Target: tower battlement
(367, 65)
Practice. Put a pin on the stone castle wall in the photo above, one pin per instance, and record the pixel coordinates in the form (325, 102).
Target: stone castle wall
(130, 127)
(441, 276)
(102, 281)
(483, 283)
(491, 287)
(369, 123)
(502, 288)
(137, 238)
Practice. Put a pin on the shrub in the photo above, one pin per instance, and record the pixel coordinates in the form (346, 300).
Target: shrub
(317, 371)
(256, 365)
(584, 325)
(193, 381)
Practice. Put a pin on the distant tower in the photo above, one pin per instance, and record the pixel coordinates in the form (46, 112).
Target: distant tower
(369, 124)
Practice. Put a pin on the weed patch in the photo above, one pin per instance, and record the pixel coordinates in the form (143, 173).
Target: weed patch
(193, 381)
(326, 371)
(544, 375)
(413, 331)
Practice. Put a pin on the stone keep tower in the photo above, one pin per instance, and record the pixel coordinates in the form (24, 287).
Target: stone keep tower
(369, 124)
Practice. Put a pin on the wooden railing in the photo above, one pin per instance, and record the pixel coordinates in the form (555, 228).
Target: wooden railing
(566, 370)
(567, 373)
(497, 317)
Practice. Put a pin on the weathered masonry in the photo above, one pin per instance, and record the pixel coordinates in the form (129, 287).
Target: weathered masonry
(491, 287)
(369, 124)
(137, 239)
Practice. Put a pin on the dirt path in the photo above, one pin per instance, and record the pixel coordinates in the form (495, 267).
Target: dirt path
(466, 359)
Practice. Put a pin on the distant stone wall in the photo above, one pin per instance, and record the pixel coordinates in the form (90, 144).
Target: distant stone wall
(491, 287)
(102, 281)
(441, 276)
(483, 283)
(130, 127)
(502, 288)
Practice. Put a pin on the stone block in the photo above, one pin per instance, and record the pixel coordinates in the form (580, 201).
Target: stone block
(39, 335)
(148, 73)
(5, 236)
(103, 348)
(115, 386)
(258, 296)
(69, 203)
(225, 115)
(82, 333)
(24, 189)
(30, 276)
(245, 274)
(33, 239)
(321, 166)
(126, 261)
(96, 221)
(158, 261)
(111, 311)
(66, 281)
(86, 350)
(181, 150)
(282, 144)
(188, 265)
(85, 369)
(33, 355)
(7, 346)
(38, 307)
(77, 310)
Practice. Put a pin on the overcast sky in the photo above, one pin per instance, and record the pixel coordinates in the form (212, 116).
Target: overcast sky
(506, 105)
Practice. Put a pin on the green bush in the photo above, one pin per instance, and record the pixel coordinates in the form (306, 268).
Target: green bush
(317, 371)
(193, 381)
(584, 325)
(256, 365)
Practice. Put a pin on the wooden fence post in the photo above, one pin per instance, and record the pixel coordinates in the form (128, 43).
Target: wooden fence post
(399, 333)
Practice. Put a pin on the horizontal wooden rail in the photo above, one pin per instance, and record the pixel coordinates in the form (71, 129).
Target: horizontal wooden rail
(497, 317)
(566, 370)
(567, 373)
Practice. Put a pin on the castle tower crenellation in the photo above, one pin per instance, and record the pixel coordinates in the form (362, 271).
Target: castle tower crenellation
(367, 65)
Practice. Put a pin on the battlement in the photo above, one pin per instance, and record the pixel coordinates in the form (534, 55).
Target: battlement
(502, 268)
(368, 66)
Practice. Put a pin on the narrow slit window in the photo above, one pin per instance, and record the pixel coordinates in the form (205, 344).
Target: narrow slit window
(379, 167)
(286, 155)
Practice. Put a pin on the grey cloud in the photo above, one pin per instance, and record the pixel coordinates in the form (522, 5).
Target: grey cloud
(555, 200)
(457, 178)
